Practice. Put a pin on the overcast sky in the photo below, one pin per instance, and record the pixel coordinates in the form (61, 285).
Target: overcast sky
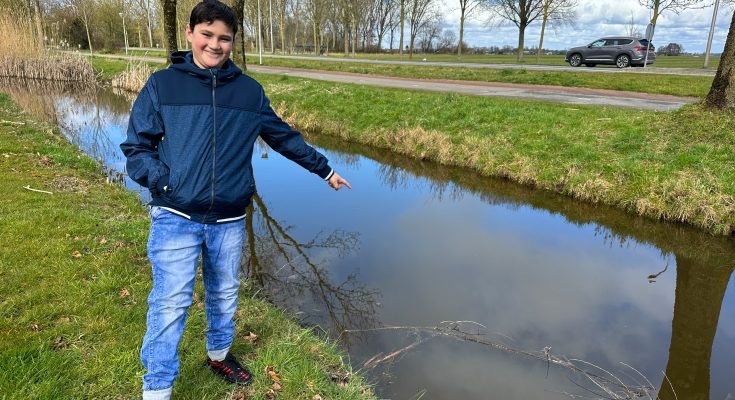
(597, 18)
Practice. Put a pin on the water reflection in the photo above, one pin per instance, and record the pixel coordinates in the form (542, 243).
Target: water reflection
(704, 267)
(415, 244)
(295, 274)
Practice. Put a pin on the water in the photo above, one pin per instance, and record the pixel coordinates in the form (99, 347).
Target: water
(535, 277)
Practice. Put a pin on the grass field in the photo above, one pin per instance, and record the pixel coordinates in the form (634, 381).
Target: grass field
(694, 86)
(676, 85)
(75, 280)
(683, 61)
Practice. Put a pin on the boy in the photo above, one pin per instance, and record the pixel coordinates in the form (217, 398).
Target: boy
(190, 142)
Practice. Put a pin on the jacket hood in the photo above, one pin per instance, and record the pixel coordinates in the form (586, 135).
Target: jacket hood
(184, 61)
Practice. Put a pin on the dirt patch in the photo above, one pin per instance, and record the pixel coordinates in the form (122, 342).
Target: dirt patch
(69, 184)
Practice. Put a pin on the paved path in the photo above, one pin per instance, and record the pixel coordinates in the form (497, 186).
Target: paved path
(558, 94)
(530, 67)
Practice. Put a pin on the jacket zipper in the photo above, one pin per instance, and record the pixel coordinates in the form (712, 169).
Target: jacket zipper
(214, 138)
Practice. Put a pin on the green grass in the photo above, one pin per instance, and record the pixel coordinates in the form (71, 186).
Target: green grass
(677, 166)
(677, 85)
(109, 67)
(75, 280)
(661, 61)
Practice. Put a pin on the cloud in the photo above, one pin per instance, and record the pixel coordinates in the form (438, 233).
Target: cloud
(599, 18)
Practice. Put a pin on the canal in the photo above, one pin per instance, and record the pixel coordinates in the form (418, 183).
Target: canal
(443, 284)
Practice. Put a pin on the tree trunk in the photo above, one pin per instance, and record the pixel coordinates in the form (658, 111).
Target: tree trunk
(86, 28)
(169, 25)
(39, 22)
(722, 93)
(346, 35)
(281, 27)
(354, 34)
(316, 43)
(547, 3)
(403, 21)
(240, 12)
(150, 23)
(521, 37)
(461, 32)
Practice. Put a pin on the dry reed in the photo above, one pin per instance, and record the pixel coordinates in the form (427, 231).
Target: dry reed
(134, 78)
(24, 57)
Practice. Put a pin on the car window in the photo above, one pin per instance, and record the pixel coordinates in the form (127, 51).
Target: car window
(644, 42)
(598, 43)
(623, 42)
(611, 42)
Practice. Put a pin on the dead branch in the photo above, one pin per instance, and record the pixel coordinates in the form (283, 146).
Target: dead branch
(608, 385)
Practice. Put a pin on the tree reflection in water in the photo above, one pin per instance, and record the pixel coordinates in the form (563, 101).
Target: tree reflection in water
(704, 264)
(295, 273)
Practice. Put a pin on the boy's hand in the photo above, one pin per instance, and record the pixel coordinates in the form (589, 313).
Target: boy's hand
(336, 182)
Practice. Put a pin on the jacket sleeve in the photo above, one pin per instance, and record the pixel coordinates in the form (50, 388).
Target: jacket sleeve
(282, 138)
(145, 131)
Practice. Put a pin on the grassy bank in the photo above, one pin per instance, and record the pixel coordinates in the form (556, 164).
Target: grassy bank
(677, 166)
(75, 280)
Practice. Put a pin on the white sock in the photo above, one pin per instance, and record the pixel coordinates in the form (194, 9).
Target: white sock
(218, 355)
(163, 394)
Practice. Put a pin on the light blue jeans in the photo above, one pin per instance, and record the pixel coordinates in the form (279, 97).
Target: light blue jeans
(174, 246)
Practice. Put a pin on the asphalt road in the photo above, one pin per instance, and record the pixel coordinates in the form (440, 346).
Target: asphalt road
(530, 67)
(557, 94)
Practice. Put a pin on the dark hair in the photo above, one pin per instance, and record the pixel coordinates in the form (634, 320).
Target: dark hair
(213, 10)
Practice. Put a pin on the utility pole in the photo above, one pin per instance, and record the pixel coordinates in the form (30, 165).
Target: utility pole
(711, 34)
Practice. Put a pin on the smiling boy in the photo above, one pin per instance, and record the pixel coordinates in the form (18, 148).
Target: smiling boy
(190, 142)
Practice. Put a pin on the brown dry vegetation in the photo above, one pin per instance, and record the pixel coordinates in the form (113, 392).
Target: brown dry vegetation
(24, 57)
(133, 78)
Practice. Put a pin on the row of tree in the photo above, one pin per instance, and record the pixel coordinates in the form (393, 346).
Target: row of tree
(303, 25)
(315, 25)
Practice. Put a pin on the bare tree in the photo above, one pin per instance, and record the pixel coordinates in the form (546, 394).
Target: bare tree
(466, 9)
(384, 9)
(521, 13)
(631, 29)
(317, 11)
(555, 12)
(447, 41)
(658, 7)
(722, 93)
(419, 10)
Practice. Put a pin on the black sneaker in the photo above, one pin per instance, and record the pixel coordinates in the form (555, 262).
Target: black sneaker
(231, 370)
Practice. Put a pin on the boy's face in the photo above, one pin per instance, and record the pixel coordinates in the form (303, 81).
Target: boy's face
(211, 43)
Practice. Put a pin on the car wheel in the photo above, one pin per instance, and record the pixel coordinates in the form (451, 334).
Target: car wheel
(575, 60)
(590, 65)
(623, 61)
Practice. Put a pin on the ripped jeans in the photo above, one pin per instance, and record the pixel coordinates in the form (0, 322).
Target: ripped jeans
(174, 246)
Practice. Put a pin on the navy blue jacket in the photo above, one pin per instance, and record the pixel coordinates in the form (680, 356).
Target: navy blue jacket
(191, 135)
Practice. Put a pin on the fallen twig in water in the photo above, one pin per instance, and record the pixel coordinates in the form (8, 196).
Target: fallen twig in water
(612, 387)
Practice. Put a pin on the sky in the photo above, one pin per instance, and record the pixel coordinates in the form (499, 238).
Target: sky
(598, 18)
